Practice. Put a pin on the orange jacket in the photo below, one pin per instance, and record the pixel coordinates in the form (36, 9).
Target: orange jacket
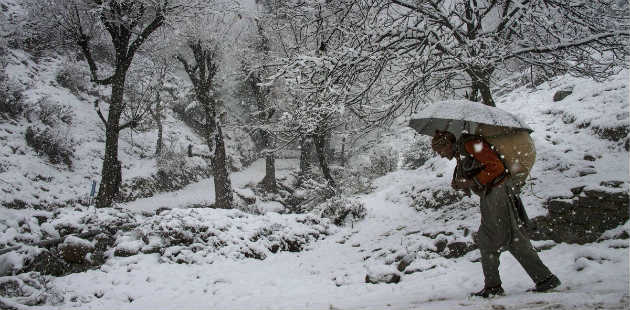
(492, 164)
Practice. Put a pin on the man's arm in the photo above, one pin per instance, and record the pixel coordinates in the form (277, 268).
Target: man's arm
(491, 163)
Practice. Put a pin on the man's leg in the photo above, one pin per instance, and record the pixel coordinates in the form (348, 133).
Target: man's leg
(524, 252)
(490, 266)
(494, 232)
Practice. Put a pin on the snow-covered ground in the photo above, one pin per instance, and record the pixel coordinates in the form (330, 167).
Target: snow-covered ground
(331, 272)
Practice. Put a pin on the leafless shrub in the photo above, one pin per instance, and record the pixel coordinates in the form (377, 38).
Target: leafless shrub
(11, 97)
(340, 209)
(74, 77)
(45, 140)
(51, 113)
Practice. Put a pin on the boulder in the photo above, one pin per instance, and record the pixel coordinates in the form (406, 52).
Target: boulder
(384, 278)
(381, 274)
(563, 93)
(406, 261)
(582, 219)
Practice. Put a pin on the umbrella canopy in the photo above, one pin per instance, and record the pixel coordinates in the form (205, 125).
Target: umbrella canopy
(463, 116)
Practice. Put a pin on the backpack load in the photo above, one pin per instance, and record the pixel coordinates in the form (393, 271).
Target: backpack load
(516, 148)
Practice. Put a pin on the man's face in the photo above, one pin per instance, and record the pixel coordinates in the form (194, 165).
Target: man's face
(443, 147)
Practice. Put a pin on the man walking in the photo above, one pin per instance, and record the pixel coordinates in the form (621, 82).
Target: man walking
(480, 169)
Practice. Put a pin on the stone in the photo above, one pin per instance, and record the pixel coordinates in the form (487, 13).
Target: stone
(615, 134)
(614, 184)
(459, 249)
(386, 278)
(577, 190)
(440, 245)
(582, 219)
(405, 262)
(561, 94)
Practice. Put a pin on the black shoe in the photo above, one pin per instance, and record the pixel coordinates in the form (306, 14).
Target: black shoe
(546, 284)
(489, 291)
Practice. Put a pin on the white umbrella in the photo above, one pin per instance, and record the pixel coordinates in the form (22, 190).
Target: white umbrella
(463, 116)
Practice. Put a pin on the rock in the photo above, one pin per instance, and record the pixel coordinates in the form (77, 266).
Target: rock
(561, 94)
(577, 190)
(128, 248)
(440, 245)
(589, 157)
(583, 219)
(613, 134)
(459, 249)
(614, 184)
(405, 262)
(386, 278)
(381, 274)
(587, 171)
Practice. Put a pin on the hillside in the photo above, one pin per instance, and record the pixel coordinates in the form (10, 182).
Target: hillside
(63, 118)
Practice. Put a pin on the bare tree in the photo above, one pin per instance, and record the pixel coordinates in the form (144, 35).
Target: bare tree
(305, 32)
(256, 52)
(156, 75)
(395, 54)
(205, 39)
(129, 24)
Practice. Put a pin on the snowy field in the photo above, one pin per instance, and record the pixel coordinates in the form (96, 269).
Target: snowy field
(330, 272)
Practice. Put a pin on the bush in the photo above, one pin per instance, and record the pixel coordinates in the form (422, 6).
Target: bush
(417, 154)
(352, 181)
(50, 113)
(170, 161)
(74, 77)
(46, 141)
(383, 161)
(340, 210)
(11, 97)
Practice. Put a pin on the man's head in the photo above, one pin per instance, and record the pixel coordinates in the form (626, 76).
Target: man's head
(443, 143)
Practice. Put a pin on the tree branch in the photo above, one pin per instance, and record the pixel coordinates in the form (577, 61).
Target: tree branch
(568, 45)
(155, 24)
(100, 114)
(131, 123)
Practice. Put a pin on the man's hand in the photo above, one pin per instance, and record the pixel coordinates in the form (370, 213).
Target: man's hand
(461, 184)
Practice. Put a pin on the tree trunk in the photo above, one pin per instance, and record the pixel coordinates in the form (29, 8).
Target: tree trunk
(222, 184)
(158, 146)
(269, 182)
(157, 117)
(306, 144)
(481, 85)
(110, 173)
(320, 147)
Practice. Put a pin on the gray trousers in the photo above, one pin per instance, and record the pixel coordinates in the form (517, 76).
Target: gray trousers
(500, 229)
